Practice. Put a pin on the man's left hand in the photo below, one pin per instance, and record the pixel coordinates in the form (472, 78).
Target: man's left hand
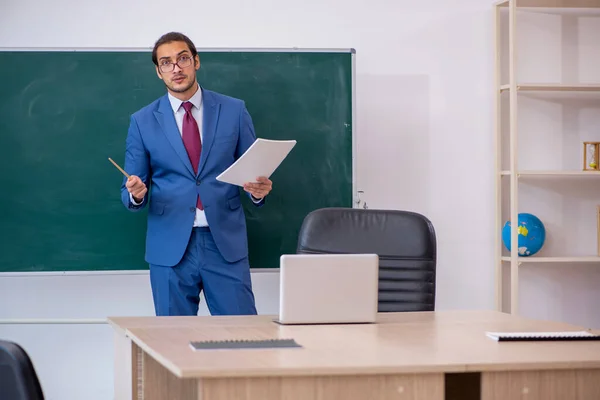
(259, 189)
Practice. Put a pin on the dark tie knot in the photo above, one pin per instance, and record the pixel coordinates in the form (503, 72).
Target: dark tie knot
(188, 106)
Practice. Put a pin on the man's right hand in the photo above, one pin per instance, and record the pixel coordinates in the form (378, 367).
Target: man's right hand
(136, 187)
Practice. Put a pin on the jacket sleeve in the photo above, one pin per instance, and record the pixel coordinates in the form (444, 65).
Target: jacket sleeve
(136, 163)
(247, 137)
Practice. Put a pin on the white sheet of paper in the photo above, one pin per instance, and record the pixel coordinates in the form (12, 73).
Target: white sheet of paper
(261, 159)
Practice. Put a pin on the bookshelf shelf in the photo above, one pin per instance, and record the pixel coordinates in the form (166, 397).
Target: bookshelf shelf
(533, 259)
(554, 174)
(553, 87)
(553, 4)
(547, 99)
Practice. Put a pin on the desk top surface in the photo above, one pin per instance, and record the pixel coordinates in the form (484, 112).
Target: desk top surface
(452, 341)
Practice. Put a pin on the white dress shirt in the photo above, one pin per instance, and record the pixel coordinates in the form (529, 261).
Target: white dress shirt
(197, 113)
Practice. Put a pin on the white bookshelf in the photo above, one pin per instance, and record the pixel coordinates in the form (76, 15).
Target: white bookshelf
(564, 88)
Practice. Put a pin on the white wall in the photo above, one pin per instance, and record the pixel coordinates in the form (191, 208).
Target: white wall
(425, 143)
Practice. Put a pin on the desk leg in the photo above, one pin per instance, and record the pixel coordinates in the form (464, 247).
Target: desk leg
(125, 367)
(541, 385)
(380, 387)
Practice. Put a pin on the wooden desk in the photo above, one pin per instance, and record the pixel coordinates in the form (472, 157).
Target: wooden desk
(404, 356)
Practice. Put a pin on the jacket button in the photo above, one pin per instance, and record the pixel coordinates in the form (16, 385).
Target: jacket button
(192, 209)
(198, 182)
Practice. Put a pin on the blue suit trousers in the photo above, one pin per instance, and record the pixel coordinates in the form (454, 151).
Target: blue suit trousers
(227, 285)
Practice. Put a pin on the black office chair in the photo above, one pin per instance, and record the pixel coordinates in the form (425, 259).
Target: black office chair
(404, 241)
(18, 379)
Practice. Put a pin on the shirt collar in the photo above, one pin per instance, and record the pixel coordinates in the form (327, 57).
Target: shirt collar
(196, 100)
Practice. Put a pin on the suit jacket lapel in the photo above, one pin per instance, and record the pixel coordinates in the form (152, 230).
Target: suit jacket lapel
(210, 119)
(166, 119)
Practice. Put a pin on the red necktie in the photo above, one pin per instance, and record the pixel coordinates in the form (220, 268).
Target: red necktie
(191, 141)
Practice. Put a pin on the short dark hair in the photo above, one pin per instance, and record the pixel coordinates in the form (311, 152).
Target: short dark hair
(173, 37)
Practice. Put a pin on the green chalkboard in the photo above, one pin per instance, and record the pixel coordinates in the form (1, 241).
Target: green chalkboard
(64, 112)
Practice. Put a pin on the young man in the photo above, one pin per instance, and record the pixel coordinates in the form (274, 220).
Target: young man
(176, 146)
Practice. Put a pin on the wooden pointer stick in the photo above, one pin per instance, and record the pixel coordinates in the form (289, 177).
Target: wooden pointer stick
(119, 168)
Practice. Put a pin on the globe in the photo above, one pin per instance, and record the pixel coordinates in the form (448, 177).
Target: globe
(531, 234)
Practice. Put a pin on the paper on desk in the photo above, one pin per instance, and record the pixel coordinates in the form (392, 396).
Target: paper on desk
(500, 336)
(261, 159)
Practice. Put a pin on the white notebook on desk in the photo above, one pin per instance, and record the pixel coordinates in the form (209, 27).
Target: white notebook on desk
(261, 159)
(541, 336)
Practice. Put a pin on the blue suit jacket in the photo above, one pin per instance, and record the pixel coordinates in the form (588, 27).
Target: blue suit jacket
(155, 152)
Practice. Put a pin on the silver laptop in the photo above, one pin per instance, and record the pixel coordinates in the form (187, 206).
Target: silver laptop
(328, 288)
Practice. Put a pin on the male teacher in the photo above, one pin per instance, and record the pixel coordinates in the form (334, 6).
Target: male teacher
(196, 237)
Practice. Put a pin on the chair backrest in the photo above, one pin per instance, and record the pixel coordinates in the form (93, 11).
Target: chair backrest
(405, 242)
(18, 379)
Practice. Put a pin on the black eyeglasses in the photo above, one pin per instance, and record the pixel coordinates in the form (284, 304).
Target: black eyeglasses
(183, 62)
